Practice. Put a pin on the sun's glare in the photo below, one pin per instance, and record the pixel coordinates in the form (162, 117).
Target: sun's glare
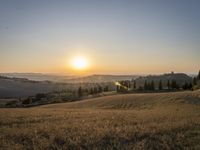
(80, 63)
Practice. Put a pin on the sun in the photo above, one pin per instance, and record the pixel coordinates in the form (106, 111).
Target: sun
(79, 63)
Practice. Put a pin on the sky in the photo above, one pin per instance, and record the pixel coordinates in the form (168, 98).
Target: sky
(114, 36)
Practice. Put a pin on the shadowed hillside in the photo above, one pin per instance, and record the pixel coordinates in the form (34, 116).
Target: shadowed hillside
(22, 87)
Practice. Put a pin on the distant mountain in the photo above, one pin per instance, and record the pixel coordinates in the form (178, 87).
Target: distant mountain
(21, 87)
(39, 76)
(101, 78)
(69, 79)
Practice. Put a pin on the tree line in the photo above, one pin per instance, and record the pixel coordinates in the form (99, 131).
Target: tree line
(92, 91)
(196, 80)
(127, 85)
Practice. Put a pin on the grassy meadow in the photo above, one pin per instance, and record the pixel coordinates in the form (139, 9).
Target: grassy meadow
(126, 121)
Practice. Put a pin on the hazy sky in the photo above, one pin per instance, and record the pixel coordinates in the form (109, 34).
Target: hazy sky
(117, 37)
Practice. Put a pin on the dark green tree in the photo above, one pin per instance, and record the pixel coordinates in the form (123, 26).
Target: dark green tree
(80, 92)
(185, 86)
(168, 84)
(174, 85)
(160, 85)
(106, 89)
(152, 86)
(86, 91)
(190, 86)
(91, 91)
(198, 76)
(146, 85)
(95, 90)
(27, 101)
(194, 81)
(149, 86)
(134, 84)
(100, 90)
(118, 88)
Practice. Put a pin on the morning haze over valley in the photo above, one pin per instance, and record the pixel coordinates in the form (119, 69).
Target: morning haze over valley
(99, 74)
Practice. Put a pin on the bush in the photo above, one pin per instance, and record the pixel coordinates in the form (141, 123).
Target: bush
(27, 101)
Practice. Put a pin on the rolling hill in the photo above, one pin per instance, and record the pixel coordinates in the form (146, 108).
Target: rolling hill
(22, 87)
(69, 79)
(134, 101)
(180, 79)
(12, 87)
(39, 76)
(101, 78)
(129, 121)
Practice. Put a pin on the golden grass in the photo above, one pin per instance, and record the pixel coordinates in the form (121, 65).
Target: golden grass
(151, 121)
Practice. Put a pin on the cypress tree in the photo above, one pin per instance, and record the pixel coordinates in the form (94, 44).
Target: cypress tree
(106, 89)
(194, 81)
(80, 92)
(190, 86)
(95, 90)
(160, 85)
(185, 86)
(168, 84)
(198, 76)
(174, 85)
(91, 91)
(117, 88)
(145, 85)
(134, 84)
(152, 86)
(100, 89)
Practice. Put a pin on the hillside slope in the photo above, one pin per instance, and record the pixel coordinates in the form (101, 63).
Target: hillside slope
(21, 87)
(131, 121)
(180, 79)
(136, 101)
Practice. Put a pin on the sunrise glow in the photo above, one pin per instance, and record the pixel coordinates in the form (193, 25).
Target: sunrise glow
(79, 63)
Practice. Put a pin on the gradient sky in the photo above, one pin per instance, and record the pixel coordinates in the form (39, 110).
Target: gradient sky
(117, 37)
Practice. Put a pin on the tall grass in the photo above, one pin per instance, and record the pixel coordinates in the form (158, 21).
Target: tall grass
(163, 126)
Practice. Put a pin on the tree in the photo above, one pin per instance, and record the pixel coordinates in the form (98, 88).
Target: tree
(40, 96)
(100, 89)
(198, 76)
(160, 85)
(174, 85)
(194, 81)
(134, 84)
(152, 86)
(185, 86)
(80, 92)
(86, 91)
(149, 86)
(27, 101)
(126, 85)
(190, 86)
(146, 85)
(91, 91)
(168, 84)
(95, 90)
(106, 89)
(129, 84)
(118, 88)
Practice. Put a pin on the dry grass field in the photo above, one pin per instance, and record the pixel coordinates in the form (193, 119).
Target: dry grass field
(129, 121)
